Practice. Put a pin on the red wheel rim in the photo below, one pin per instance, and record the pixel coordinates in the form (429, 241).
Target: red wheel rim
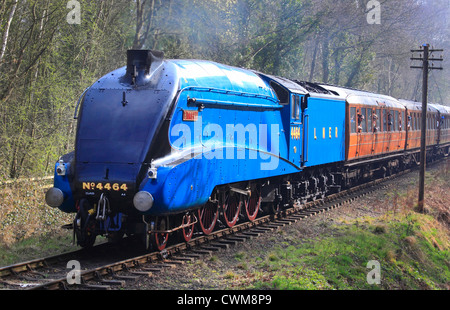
(231, 209)
(160, 240)
(208, 217)
(187, 231)
(252, 206)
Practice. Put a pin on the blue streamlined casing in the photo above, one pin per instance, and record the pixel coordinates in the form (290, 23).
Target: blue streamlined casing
(238, 136)
(118, 123)
(191, 183)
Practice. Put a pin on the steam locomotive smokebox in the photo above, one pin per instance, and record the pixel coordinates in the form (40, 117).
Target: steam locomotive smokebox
(142, 60)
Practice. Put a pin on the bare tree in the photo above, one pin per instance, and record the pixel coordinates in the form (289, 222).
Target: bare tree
(6, 32)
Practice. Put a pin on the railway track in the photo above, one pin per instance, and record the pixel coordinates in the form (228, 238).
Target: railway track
(128, 264)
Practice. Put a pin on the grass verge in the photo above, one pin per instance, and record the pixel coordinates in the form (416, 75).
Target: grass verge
(410, 253)
(412, 249)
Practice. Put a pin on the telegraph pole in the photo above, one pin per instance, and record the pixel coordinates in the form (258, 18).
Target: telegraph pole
(427, 52)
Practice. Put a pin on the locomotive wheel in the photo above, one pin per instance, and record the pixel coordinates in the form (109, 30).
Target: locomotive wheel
(272, 207)
(252, 205)
(159, 240)
(231, 209)
(188, 231)
(85, 231)
(207, 216)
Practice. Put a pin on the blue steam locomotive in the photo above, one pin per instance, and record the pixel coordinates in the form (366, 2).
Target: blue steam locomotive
(169, 147)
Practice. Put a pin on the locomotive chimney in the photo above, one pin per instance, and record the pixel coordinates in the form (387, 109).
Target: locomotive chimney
(139, 64)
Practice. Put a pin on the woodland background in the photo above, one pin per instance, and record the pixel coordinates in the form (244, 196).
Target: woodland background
(46, 63)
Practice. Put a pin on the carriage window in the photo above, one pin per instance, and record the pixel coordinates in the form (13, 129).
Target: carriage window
(384, 121)
(396, 121)
(378, 120)
(390, 123)
(363, 120)
(353, 120)
(369, 120)
(402, 121)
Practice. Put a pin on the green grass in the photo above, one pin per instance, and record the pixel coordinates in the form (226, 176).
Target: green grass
(411, 254)
(36, 247)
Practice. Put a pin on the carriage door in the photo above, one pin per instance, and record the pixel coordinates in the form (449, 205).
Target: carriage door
(295, 145)
(371, 128)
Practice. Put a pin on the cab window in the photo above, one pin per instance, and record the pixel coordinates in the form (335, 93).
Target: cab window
(295, 107)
